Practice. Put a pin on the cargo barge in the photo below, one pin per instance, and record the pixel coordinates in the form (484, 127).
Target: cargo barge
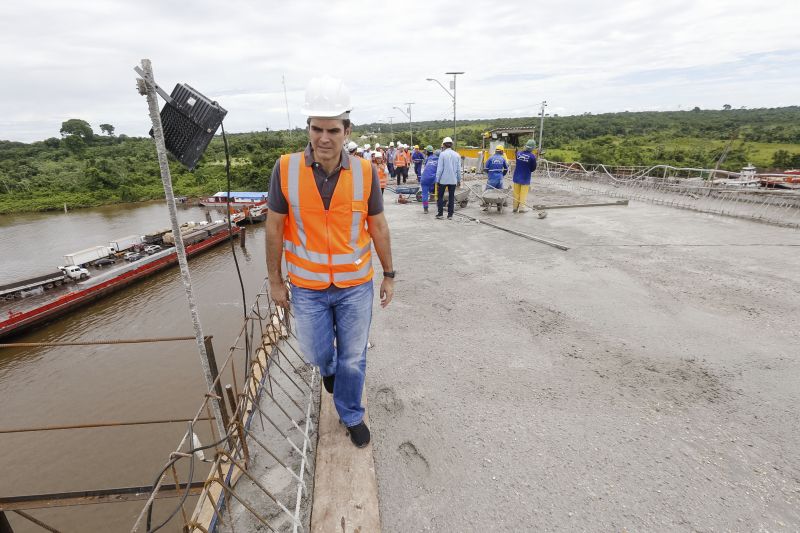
(84, 292)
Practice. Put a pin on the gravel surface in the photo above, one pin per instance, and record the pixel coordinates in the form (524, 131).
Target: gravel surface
(644, 380)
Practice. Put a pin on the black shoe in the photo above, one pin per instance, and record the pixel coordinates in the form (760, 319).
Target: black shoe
(328, 381)
(449, 217)
(359, 434)
(425, 210)
(439, 217)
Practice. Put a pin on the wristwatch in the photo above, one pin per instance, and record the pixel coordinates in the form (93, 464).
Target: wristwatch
(389, 273)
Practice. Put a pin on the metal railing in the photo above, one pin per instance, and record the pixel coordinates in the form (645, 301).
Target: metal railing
(685, 188)
(261, 474)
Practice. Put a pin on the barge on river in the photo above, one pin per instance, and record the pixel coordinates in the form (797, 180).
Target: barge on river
(202, 238)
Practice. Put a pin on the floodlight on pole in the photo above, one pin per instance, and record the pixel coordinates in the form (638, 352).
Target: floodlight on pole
(451, 95)
(407, 113)
(184, 128)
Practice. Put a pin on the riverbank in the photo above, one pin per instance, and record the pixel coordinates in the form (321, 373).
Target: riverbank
(644, 380)
(21, 203)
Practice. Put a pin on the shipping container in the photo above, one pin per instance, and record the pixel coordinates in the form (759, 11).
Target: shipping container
(87, 256)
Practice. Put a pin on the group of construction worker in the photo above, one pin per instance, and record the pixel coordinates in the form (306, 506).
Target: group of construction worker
(496, 168)
(395, 160)
(394, 163)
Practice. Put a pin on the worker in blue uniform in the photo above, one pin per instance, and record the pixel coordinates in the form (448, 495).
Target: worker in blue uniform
(496, 167)
(526, 164)
(417, 158)
(428, 178)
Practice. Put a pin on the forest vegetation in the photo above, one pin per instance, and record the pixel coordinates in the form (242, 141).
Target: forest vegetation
(82, 168)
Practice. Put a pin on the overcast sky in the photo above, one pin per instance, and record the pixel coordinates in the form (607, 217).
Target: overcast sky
(61, 60)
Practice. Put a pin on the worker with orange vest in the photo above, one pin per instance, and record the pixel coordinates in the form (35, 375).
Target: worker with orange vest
(401, 162)
(325, 215)
(383, 172)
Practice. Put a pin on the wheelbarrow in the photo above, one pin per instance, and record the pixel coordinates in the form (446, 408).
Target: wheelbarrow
(406, 192)
(492, 197)
(460, 198)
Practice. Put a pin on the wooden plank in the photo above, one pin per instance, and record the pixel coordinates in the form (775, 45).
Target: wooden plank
(345, 486)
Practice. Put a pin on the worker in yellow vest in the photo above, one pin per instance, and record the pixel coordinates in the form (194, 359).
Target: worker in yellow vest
(325, 214)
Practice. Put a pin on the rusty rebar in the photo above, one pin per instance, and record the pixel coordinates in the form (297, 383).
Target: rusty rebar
(36, 521)
(92, 343)
(100, 425)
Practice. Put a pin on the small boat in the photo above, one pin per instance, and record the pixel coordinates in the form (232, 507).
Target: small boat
(746, 178)
(253, 214)
(790, 179)
(237, 199)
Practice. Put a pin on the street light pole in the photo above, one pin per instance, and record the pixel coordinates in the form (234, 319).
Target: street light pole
(541, 127)
(453, 96)
(391, 129)
(407, 113)
(455, 138)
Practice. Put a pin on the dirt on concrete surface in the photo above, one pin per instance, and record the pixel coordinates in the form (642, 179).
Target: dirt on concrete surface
(644, 380)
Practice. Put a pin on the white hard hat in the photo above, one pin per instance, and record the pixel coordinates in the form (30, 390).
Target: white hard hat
(447, 140)
(351, 146)
(326, 97)
(366, 146)
(377, 145)
(377, 154)
(391, 144)
(359, 150)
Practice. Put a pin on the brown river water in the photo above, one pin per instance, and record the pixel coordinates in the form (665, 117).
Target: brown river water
(110, 383)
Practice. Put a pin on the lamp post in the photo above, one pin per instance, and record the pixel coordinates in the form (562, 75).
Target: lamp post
(391, 129)
(408, 114)
(453, 96)
(541, 127)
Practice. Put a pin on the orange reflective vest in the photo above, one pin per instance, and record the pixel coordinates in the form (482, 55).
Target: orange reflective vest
(326, 246)
(382, 174)
(401, 159)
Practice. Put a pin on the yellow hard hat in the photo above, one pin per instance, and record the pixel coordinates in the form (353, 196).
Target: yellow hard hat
(499, 148)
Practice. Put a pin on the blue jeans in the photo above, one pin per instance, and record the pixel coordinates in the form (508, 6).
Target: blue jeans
(333, 329)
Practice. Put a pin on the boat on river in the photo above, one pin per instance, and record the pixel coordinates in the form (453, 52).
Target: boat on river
(237, 199)
(24, 315)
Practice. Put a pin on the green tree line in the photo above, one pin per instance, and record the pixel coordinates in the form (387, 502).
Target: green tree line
(83, 168)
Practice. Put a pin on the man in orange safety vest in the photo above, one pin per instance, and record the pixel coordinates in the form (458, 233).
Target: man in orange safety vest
(325, 214)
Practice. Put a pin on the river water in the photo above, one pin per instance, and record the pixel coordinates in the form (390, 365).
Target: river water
(110, 383)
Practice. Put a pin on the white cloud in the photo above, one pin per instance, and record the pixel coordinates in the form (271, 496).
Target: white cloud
(63, 60)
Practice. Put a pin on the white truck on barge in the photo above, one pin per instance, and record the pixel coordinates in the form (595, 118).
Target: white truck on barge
(125, 243)
(39, 284)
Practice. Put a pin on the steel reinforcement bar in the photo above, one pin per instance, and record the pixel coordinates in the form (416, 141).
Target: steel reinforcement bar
(684, 188)
(270, 427)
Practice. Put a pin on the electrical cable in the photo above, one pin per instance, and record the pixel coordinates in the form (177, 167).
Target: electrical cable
(188, 484)
(247, 345)
(233, 247)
